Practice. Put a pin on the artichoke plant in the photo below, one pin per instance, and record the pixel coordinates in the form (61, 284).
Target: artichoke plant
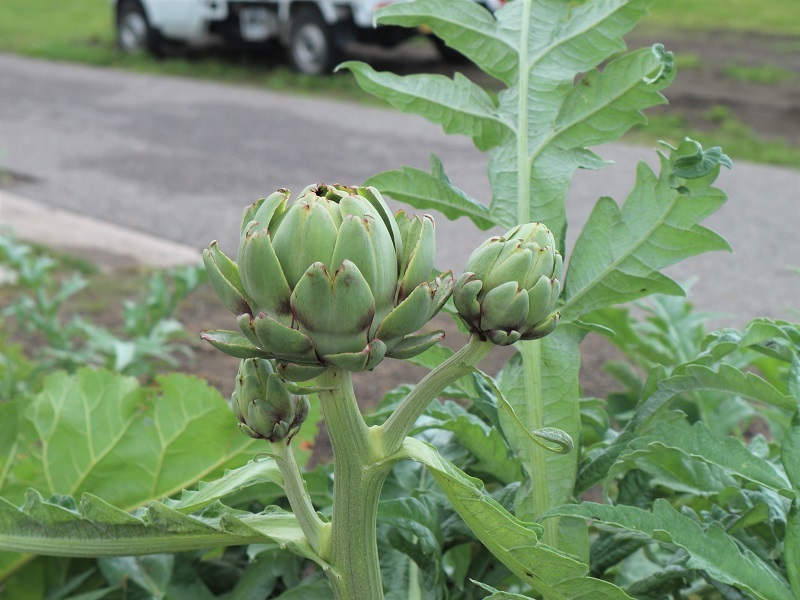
(265, 408)
(334, 279)
(511, 285)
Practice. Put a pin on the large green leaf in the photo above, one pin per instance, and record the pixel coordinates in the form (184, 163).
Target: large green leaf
(790, 455)
(692, 378)
(485, 443)
(538, 128)
(709, 549)
(9, 441)
(515, 543)
(102, 433)
(620, 253)
(691, 459)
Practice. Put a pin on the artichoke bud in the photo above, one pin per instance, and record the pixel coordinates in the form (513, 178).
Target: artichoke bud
(419, 251)
(332, 279)
(511, 286)
(263, 405)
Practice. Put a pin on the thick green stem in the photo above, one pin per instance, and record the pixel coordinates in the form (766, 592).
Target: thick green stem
(523, 169)
(353, 553)
(402, 420)
(531, 353)
(314, 528)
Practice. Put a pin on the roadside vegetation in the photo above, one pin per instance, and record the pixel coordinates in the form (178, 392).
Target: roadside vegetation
(82, 31)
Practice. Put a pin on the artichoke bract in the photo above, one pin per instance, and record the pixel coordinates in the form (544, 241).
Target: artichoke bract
(511, 285)
(334, 279)
(265, 408)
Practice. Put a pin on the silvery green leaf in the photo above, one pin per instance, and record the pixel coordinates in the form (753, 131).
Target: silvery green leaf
(515, 543)
(711, 549)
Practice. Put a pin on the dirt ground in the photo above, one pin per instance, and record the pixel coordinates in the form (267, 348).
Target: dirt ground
(771, 110)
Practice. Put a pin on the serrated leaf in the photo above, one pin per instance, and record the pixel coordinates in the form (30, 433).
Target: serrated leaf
(466, 27)
(539, 127)
(620, 252)
(102, 433)
(515, 543)
(695, 162)
(497, 594)
(432, 190)
(485, 443)
(691, 378)
(458, 105)
(776, 339)
(417, 516)
(256, 472)
(92, 527)
(709, 549)
(680, 450)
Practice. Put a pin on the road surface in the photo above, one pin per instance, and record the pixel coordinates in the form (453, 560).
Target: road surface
(179, 159)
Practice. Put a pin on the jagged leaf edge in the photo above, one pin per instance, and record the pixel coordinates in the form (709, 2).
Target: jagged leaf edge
(92, 527)
(709, 549)
(516, 544)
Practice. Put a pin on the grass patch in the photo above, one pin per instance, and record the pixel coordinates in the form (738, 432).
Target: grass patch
(721, 128)
(774, 16)
(688, 60)
(764, 75)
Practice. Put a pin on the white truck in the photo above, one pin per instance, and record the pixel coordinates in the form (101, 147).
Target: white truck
(313, 31)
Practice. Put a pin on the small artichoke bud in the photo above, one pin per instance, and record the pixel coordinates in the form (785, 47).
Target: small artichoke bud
(511, 285)
(265, 408)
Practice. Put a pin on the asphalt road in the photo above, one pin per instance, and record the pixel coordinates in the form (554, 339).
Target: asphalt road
(180, 159)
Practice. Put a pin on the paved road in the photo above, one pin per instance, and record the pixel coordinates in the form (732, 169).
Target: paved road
(180, 159)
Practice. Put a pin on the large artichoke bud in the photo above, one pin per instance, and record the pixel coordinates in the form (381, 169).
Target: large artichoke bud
(511, 285)
(331, 280)
(265, 408)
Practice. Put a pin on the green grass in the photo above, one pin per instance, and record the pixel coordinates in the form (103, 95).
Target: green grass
(688, 60)
(763, 75)
(767, 16)
(721, 128)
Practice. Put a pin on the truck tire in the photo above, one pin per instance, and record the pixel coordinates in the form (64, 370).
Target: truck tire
(313, 50)
(134, 32)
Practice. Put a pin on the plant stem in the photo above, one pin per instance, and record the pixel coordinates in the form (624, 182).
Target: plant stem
(353, 554)
(523, 169)
(531, 353)
(313, 527)
(459, 364)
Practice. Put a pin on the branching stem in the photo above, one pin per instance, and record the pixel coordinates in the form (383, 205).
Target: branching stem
(402, 420)
(353, 553)
(313, 527)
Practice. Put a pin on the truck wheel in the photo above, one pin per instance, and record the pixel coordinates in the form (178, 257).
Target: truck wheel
(312, 47)
(134, 33)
